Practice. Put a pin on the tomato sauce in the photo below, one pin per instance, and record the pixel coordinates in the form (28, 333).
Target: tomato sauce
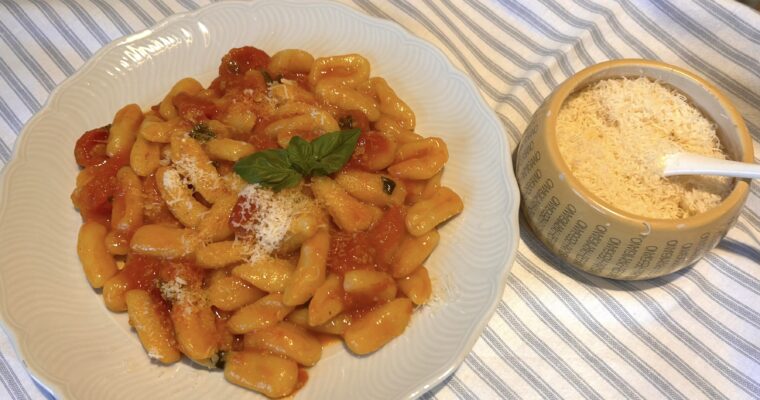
(350, 251)
(94, 198)
(371, 142)
(141, 272)
(216, 87)
(238, 342)
(303, 377)
(192, 275)
(387, 234)
(263, 142)
(372, 250)
(356, 308)
(242, 214)
(259, 139)
(194, 108)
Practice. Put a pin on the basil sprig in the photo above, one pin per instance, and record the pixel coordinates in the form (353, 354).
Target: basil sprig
(284, 168)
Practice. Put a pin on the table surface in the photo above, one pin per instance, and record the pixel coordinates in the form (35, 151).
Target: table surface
(557, 333)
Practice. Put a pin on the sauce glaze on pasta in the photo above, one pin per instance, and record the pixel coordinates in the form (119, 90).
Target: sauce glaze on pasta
(240, 277)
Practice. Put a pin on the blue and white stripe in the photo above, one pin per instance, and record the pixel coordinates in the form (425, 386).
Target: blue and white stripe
(558, 333)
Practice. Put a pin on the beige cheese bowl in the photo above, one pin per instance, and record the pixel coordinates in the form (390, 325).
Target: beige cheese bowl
(595, 236)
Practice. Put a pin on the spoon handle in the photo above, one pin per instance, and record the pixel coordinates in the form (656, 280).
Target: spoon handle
(693, 164)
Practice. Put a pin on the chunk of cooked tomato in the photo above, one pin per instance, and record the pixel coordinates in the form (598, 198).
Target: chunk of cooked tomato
(243, 215)
(93, 198)
(240, 60)
(91, 147)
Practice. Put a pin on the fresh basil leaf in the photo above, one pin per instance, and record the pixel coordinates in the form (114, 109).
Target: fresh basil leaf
(291, 181)
(221, 358)
(346, 122)
(267, 78)
(284, 168)
(270, 168)
(388, 185)
(202, 133)
(332, 151)
(301, 155)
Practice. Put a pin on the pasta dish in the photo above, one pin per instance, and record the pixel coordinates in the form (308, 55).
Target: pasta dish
(244, 223)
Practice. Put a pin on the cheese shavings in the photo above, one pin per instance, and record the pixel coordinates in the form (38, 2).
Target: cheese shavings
(178, 292)
(195, 175)
(174, 290)
(271, 215)
(174, 185)
(614, 136)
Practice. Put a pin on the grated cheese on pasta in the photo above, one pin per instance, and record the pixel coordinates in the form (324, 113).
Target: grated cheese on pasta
(274, 212)
(166, 156)
(176, 291)
(195, 176)
(173, 182)
(173, 290)
(614, 136)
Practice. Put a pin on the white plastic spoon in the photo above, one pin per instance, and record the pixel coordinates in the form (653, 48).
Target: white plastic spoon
(693, 164)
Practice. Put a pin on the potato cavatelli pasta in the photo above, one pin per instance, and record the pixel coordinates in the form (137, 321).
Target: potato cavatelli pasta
(239, 223)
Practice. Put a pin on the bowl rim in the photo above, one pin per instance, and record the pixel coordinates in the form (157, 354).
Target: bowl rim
(734, 201)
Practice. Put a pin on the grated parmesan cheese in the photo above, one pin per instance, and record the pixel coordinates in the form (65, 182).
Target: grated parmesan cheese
(614, 136)
(177, 292)
(273, 213)
(195, 176)
(174, 184)
(166, 156)
(174, 290)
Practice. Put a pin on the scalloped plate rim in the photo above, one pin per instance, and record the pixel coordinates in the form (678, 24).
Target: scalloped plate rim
(18, 158)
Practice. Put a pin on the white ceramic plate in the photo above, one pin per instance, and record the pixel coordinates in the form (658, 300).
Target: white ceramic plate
(78, 349)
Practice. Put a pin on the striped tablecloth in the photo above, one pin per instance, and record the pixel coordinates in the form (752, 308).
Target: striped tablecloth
(557, 333)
